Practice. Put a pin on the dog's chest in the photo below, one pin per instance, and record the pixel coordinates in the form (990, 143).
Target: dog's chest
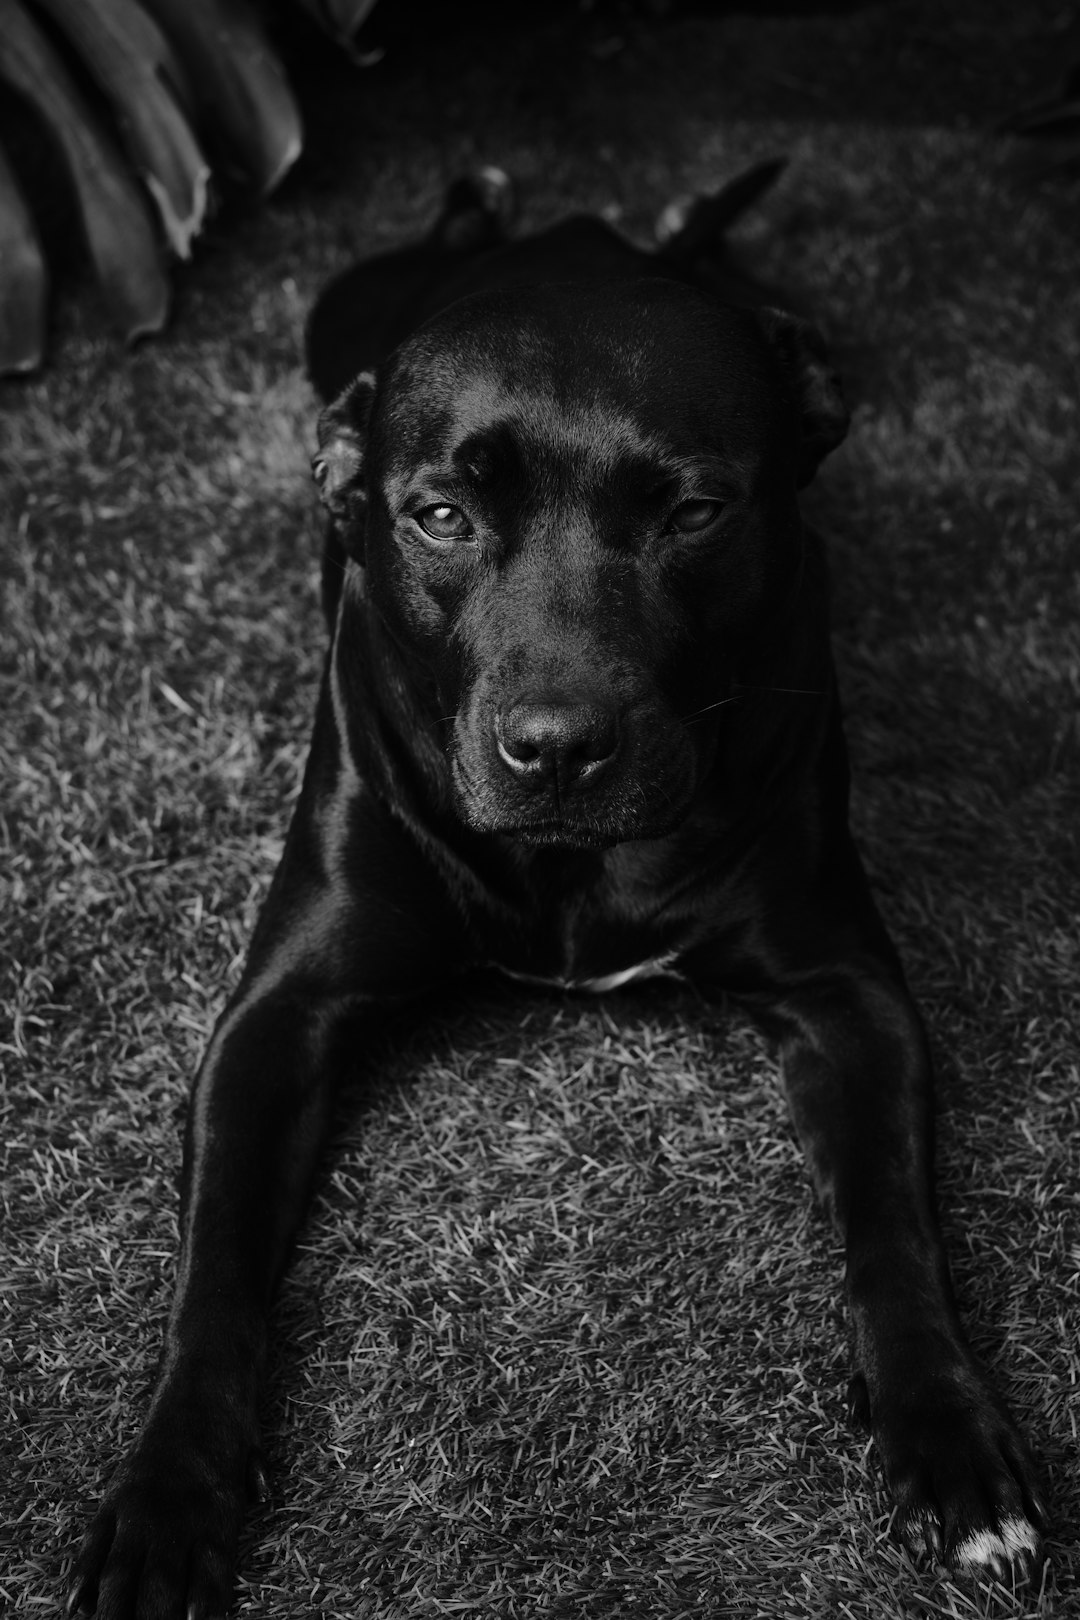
(595, 926)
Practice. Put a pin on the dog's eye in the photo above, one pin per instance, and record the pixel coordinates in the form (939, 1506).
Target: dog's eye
(690, 516)
(444, 522)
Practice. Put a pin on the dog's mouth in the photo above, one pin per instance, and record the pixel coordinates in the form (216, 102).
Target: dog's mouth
(581, 826)
(564, 834)
(567, 832)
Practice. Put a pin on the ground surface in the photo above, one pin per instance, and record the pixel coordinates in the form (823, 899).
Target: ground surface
(565, 1336)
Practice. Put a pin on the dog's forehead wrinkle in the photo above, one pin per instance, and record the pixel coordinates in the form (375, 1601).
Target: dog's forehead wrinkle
(539, 413)
(542, 458)
(583, 449)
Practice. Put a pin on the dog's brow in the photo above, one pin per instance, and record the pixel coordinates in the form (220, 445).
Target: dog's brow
(583, 431)
(708, 470)
(476, 458)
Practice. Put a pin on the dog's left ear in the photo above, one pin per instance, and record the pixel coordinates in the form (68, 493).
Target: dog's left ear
(815, 386)
(338, 465)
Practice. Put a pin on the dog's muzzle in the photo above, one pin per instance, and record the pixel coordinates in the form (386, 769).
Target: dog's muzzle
(580, 769)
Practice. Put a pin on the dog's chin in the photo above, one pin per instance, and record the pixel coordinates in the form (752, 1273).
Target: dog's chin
(568, 835)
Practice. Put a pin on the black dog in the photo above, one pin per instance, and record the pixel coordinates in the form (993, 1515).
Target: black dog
(567, 575)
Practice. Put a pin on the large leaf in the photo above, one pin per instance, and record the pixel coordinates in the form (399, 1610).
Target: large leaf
(238, 83)
(134, 64)
(23, 280)
(116, 219)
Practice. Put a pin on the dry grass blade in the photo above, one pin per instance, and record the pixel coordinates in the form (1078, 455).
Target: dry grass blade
(239, 85)
(23, 280)
(118, 228)
(131, 60)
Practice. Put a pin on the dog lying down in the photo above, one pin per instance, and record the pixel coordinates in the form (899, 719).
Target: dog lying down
(566, 574)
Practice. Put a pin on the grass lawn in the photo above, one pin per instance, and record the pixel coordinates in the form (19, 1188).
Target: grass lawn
(565, 1335)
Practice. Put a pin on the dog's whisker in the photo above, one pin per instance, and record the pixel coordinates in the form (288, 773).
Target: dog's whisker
(697, 713)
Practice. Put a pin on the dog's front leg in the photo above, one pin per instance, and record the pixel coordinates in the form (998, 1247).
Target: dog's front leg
(164, 1539)
(353, 916)
(857, 1073)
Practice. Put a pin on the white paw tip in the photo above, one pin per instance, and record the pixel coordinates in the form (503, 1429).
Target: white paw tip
(997, 1549)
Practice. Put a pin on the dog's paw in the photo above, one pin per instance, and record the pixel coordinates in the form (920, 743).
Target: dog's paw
(963, 1483)
(163, 1542)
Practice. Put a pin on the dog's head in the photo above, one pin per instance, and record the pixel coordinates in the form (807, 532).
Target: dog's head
(576, 510)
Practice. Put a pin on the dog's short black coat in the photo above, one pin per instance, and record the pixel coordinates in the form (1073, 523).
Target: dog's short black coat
(570, 593)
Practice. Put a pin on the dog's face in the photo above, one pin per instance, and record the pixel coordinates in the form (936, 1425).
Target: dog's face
(576, 508)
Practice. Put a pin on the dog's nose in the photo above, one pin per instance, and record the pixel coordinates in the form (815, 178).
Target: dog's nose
(567, 743)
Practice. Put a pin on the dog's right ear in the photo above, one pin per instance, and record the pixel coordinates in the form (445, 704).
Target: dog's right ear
(338, 465)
